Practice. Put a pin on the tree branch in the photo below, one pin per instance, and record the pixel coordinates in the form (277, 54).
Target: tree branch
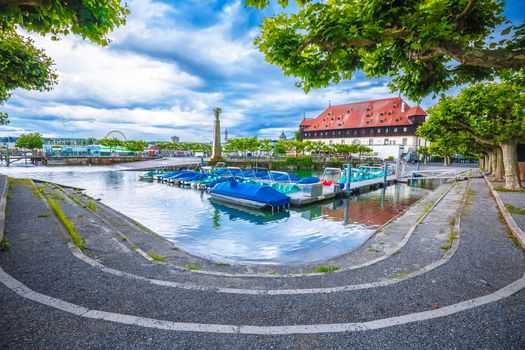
(33, 3)
(485, 58)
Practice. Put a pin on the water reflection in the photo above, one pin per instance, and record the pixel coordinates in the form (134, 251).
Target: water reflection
(226, 233)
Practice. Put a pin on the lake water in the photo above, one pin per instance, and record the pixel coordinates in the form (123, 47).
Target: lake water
(192, 221)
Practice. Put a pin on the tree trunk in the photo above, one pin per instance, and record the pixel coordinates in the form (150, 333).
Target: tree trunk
(510, 161)
(482, 162)
(487, 163)
(498, 170)
(492, 158)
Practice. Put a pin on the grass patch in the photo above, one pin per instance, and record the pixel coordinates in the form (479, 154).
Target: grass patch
(9, 187)
(156, 257)
(42, 215)
(452, 220)
(450, 240)
(134, 248)
(503, 189)
(22, 182)
(397, 252)
(326, 268)
(220, 263)
(192, 267)
(91, 205)
(513, 210)
(123, 239)
(508, 231)
(4, 244)
(70, 225)
(174, 248)
(427, 209)
(398, 275)
(374, 250)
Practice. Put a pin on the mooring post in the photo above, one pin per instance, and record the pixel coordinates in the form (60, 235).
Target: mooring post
(417, 166)
(348, 178)
(385, 174)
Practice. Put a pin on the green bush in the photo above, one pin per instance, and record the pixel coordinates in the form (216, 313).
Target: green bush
(334, 162)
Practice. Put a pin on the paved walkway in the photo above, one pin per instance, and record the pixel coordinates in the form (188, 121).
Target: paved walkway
(50, 298)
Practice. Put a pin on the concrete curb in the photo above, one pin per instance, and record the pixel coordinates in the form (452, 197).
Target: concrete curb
(514, 228)
(3, 203)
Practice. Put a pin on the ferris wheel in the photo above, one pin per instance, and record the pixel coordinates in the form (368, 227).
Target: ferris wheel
(116, 132)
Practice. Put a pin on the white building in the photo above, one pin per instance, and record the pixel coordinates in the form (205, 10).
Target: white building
(388, 126)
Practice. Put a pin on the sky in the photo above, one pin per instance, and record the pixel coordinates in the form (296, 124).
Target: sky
(166, 70)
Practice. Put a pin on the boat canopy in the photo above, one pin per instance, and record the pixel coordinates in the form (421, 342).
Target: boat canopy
(252, 192)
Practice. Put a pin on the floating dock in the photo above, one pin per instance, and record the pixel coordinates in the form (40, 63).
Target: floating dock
(300, 199)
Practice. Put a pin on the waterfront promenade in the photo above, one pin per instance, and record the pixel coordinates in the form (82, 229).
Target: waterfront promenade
(446, 277)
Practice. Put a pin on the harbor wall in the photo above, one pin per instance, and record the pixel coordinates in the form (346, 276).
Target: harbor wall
(61, 161)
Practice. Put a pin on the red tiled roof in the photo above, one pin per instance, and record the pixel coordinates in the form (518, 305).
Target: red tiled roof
(416, 111)
(385, 112)
(307, 121)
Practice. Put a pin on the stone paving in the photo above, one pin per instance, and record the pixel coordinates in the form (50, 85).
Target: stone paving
(40, 258)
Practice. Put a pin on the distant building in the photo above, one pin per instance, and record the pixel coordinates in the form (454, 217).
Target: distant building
(175, 139)
(388, 126)
(283, 136)
(225, 136)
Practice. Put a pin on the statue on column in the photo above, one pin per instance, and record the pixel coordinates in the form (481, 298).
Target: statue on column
(216, 150)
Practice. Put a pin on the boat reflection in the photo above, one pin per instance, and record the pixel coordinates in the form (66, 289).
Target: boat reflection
(255, 216)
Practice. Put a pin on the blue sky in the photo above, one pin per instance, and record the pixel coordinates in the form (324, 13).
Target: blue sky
(165, 71)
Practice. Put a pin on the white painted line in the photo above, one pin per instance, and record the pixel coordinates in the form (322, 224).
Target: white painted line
(23, 291)
(188, 286)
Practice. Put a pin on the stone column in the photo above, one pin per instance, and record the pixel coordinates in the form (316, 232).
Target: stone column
(216, 150)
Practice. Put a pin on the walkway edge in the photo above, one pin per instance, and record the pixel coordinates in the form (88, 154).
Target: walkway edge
(513, 226)
(3, 203)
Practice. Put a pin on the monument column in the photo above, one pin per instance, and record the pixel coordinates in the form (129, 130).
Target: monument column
(216, 150)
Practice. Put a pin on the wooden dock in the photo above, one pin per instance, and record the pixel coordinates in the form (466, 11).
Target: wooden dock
(300, 199)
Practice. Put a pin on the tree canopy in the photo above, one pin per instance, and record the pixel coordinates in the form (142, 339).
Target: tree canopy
(486, 116)
(30, 141)
(27, 67)
(426, 46)
(135, 145)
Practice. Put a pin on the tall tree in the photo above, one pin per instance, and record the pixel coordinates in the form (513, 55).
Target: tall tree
(30, 141)
(22, 65)
(111, 143)
(493, 116)
(426, 46)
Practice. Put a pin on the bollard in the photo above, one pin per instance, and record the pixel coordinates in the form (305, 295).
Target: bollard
(385, 174)
(348, 178)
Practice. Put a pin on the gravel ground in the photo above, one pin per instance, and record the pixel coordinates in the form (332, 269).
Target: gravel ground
(39, 258)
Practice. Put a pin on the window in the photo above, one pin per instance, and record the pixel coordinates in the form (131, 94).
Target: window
(330, 142)
(404, 140)
(395, 129)
(356, 142)
(378, 130)
(343, 141)
(405, 129)
(370, 141)
(362, 131)
(386, 130)
(386, 142)
(392, 142)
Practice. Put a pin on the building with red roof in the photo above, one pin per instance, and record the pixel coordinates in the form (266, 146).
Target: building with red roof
(388, 125)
